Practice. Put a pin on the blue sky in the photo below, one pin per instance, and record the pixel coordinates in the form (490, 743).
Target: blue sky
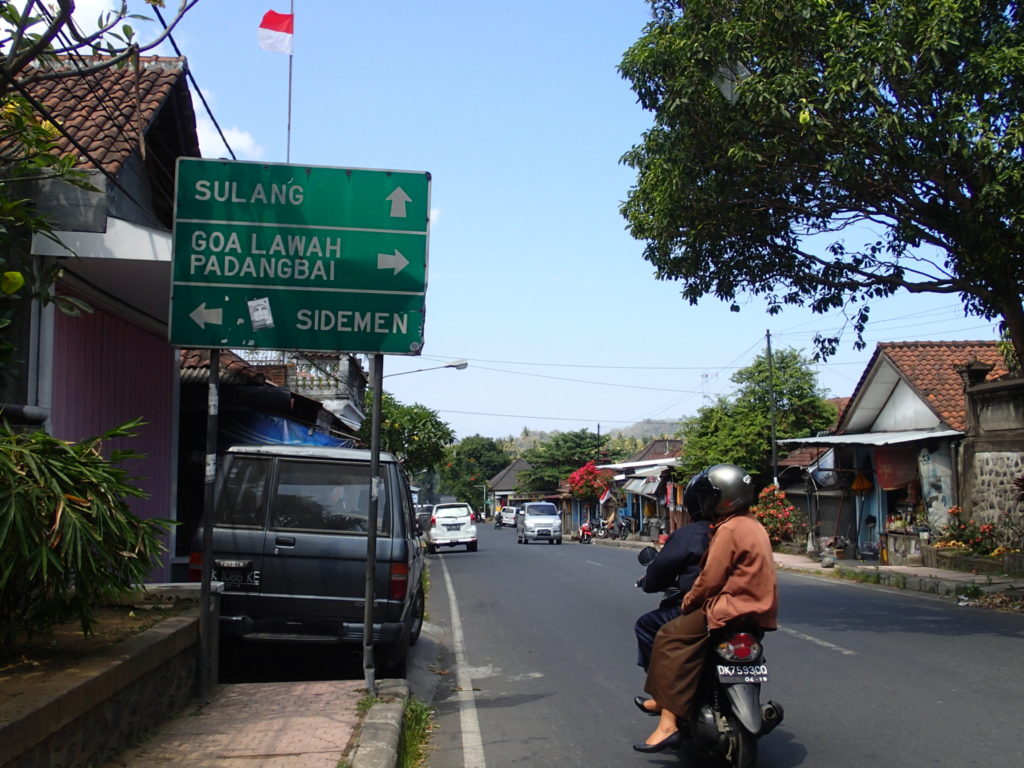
(519, 114)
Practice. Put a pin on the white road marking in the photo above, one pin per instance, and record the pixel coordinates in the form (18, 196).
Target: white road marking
(817, 641)
(591, 562)
(469, 723)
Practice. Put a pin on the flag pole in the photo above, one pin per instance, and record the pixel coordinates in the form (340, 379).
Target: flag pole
(288, 146)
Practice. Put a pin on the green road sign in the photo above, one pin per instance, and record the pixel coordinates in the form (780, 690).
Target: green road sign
(296, 257)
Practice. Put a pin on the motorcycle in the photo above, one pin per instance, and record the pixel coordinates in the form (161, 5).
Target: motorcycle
(728, 717)
(497, 520)
(601, 529)
(623, 528)
(586, 532)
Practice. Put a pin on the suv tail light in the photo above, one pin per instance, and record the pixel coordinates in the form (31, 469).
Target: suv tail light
(195, 567)
(472, 517)
(433, 521)
(741, 646)
(398, 581)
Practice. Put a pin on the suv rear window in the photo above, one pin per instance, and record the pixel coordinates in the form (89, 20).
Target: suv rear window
(542, 509)
(325, 496)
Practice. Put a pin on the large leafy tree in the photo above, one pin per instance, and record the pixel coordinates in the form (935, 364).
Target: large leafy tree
(415, 434)
(469, 464)
(552, 461)
(737, 429)
(776, 121)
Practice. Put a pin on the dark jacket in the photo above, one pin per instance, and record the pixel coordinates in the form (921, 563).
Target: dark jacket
(678, 563)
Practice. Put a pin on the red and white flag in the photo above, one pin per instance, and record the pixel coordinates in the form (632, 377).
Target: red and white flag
(275, 32)
(606, 495)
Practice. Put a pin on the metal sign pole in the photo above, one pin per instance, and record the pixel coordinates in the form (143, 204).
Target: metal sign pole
(206, 628)
(376, 382)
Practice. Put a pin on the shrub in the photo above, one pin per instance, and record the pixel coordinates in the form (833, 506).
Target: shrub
(68, 543)
(980, 539)
(782, 520)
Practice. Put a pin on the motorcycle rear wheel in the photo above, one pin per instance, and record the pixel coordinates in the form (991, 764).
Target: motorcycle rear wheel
(742, 745)
(602, 533)
(624, 535)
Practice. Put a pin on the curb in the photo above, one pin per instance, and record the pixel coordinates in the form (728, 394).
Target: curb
(381, 733)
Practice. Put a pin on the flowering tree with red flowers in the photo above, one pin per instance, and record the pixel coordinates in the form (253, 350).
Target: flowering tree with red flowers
(782, 520)
(589, 483)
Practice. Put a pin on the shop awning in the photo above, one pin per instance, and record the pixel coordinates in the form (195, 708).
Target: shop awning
(874, 438)
(643, 486)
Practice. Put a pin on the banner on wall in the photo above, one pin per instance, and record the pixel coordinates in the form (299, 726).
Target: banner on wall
(895, 465)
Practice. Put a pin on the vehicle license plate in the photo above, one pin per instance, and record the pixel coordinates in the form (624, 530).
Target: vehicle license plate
(453, 527)
(543, 532)
(743, 673)
(235, 573)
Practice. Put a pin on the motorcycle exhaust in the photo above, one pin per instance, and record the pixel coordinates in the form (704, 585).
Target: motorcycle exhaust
(771, 716)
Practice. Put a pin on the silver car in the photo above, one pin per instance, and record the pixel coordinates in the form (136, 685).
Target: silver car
(539, 521)
(508, 516)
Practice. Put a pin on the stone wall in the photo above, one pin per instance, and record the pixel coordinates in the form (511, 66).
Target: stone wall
(993, 449)
(994, 473)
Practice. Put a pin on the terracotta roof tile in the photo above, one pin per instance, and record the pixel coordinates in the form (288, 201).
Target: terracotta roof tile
(105, 110)
(929, 367)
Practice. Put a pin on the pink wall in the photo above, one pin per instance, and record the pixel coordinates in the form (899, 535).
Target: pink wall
(107, 371)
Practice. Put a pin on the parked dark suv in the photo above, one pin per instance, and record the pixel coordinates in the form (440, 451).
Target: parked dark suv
(289, 543)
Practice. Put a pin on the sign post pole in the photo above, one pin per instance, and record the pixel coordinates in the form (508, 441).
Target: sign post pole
(376, 382)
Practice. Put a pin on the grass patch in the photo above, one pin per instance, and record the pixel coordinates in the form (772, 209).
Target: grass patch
(416, 727)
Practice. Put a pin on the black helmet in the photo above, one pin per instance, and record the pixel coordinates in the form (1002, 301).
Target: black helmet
(719, 490)
(691, 500)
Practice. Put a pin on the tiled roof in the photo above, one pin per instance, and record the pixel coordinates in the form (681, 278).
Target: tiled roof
(106, 110)
(929, 367)
(659, 449)
(195, 368)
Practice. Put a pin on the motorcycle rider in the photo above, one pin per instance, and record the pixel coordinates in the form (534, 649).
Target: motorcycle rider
(673, 570)
(736, 585)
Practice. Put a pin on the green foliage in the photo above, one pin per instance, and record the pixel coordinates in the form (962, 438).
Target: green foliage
(552, 461)
(782, 520)
(894, 130)
(737, 430)
(469, 464)
(417, 724)
(68, 543)
(413, 433)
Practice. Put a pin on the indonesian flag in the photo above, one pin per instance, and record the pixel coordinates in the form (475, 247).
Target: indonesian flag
(275, 32)
(606, 495)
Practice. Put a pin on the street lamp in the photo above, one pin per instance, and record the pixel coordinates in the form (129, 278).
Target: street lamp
(456, 364)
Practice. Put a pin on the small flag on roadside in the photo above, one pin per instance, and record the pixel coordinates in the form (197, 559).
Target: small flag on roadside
(275, 32)
(606, 495)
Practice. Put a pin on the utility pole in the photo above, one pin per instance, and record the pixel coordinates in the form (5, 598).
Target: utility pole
(771, 410)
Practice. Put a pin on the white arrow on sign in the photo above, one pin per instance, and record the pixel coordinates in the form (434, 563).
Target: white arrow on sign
(395, 261)
(398, 199)
(202, 315)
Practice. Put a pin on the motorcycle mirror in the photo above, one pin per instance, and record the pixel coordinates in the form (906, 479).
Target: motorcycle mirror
(646, 555)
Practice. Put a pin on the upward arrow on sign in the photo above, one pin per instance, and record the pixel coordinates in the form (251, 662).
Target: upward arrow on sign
(398, 199)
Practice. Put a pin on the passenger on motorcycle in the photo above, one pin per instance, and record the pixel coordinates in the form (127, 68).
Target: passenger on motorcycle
(673, 571)
(736, 583)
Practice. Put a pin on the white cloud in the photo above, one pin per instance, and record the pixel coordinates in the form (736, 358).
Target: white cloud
(242, 142)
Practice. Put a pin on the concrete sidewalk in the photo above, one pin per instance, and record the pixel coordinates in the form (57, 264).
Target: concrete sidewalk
(280, 725)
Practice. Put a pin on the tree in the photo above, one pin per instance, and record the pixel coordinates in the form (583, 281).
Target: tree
(775, 122)
(552, 461)
(737, 430)
(469, 464)
(415, 434)
(589, 483)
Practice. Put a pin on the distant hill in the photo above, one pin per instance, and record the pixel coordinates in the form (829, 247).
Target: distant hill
(650, 428)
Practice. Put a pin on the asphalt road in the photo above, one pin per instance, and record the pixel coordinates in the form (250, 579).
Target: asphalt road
(536, 667)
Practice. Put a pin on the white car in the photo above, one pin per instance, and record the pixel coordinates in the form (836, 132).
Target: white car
(452, 525)
(539, 521)
(508, 516)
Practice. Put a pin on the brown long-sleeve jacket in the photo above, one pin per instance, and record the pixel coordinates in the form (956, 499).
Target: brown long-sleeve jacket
(738, 575)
